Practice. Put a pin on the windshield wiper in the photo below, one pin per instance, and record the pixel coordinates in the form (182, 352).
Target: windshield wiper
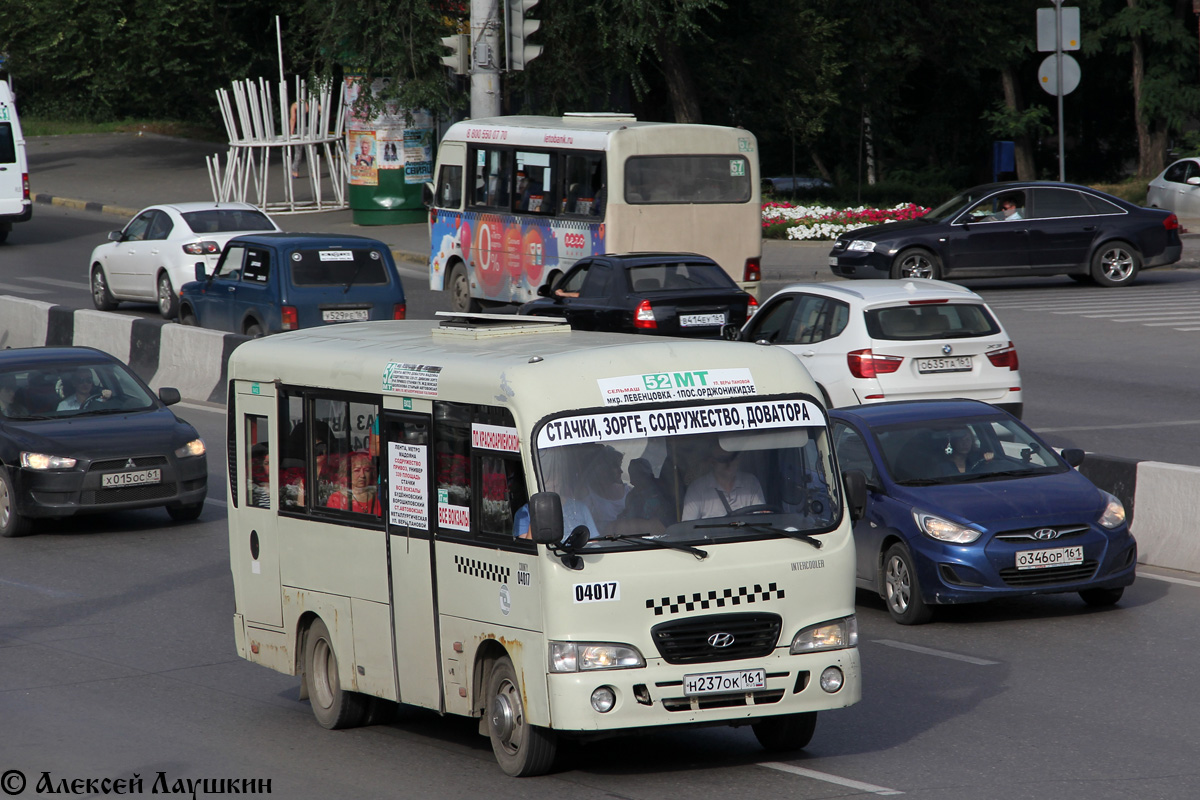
(765, 527)
(631, 537)
(357, 269)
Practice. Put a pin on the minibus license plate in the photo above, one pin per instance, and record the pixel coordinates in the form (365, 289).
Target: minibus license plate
(719, 682)
(951, 364)
(1054, 557)
(699, 320)
(114, 480)
(345, 315)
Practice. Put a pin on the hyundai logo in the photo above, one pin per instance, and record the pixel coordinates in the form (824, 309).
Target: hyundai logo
(1042, 534)
(720, 639)
(947, 349)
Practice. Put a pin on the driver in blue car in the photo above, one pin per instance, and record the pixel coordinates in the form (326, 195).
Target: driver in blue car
(722, 491)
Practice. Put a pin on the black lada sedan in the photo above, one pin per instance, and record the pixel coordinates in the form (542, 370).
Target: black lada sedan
(81, 433)
(1016, 229)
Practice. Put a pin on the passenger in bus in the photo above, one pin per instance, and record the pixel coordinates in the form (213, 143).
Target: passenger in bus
(260, 476)
(606, 486)
(647, 501)
(293, 473)
(522, 190)
(724, 490)
(362, 495)
(561, 475)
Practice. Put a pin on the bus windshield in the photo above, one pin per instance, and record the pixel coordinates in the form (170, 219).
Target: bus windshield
(678, 485)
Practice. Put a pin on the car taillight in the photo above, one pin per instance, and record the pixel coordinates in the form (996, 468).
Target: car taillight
(1171, 222)
(753, 271)
(865, 364)
(289, 318)
(202, 248)
(751, 307)
(25, 183)
(1004, 358)
(643, 316)
(399, 310)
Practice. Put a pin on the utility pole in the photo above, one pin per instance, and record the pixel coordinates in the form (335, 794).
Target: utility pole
(485, 55)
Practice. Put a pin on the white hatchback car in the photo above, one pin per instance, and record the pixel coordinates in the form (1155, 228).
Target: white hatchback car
(156, 253)
(873, 340)
(1177, 188)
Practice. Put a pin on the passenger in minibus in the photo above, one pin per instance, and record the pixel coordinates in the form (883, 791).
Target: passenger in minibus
(724, 490)
(560, 474)
(292, 475)
(361, 496)
(260, 475)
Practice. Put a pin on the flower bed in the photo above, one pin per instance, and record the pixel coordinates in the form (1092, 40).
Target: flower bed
(785, 221)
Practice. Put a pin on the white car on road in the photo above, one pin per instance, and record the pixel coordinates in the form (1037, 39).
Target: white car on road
(873, 340)
(156, 253)
(1177, 188)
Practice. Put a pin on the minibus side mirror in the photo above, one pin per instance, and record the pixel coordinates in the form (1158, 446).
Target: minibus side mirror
(545, 518)
(1073, 456)
(200, 271)
(855, 481)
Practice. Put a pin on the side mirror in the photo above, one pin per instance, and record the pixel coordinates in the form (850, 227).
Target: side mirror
(1073, 456)
(731, 332)
(546, 518)
(855, 483)
(1194, 181)
(545, 291)
(200, 274)
(427, 195)
(169, 395)
(114, 236)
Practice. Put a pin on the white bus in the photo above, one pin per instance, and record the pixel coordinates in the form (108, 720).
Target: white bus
(383, 476)
(517, 200)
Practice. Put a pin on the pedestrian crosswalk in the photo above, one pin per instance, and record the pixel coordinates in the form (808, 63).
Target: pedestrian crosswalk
(1162, 306)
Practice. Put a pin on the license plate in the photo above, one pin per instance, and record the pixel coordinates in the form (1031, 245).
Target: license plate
(1054, 557)
(833, 261)
(699, 320)
(345, 315)
(114, 480)
(951, 364)
(719, 682)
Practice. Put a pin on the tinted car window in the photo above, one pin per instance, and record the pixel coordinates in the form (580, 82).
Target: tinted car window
(942, 321)
(258, 265)
(359, 266)
(1101, 206)
(599, 279)
(227, 220)
(160, 226)
(1176, 172)
(450, 187)
(8, 146)
(136, 230)
(1059, 203)
(231, 263)
(817, 319)
(652, 277)
(769, 323)
(852, 451)
(687, 179)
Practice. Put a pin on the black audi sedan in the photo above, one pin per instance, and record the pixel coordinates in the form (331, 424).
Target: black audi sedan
(1016, 229)
(667, 294)
(81, 433)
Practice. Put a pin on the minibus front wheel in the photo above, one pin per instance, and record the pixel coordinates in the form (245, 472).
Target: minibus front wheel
(521, 749)
(786, 732)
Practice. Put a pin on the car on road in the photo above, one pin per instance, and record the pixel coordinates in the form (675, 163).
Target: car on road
(966, 504)
(268, 283)
(1049, 229)
(153, 256)
(81, 433)
(1177, 188)
(871, 341)
(666, 294)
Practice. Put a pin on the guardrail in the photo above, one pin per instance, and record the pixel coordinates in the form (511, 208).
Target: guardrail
(1162, 500)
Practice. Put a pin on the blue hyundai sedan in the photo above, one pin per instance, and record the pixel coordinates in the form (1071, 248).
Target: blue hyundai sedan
(966, 504)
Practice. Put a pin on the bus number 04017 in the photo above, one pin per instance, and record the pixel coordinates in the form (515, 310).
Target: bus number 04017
(597, 592)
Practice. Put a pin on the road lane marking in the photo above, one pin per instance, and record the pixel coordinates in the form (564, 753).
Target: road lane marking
(983, 662)
(1168, 579)
(56, 282)
(39, 589)
(1120, 427)
(10, 287)
(825, 776)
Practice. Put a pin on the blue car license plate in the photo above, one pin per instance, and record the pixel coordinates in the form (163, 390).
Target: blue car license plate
(1051, 557)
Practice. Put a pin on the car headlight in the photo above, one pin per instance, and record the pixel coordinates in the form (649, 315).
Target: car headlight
(944, 530)
(193, 448)
(1114, 512)
(836, 635)
(43, 461)
(863, 245)
(582, 656)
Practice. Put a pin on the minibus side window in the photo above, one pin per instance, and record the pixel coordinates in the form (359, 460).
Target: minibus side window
(452, 453)
(257, 469)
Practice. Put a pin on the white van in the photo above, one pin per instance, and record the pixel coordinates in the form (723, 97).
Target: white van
(15, 205)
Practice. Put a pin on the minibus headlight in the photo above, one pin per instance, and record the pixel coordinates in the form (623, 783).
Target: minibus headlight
(583, 656)
(944, 530)
(44, 461)
(193, 448)
(836, 635)
(1114, 512)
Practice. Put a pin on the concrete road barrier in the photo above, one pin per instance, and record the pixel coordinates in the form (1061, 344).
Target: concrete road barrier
(1161, 500)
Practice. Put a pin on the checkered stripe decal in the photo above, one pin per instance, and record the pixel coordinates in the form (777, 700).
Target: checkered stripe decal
(481, 569)
(743, 595)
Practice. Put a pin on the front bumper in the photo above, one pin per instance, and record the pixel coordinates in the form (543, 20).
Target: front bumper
(65, 493)
(860, 264)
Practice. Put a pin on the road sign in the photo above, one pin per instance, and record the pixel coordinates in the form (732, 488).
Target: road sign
(1048, 75)
(1045, 29)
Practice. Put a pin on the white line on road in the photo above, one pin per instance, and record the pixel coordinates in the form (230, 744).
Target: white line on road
(1168, 579)
(56, 282)
(9, 287)
(824, 776)
(983, 662)
(1127, 426)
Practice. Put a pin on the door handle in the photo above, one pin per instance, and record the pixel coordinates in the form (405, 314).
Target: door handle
(809, 353)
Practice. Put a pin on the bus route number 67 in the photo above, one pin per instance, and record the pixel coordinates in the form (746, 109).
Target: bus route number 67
(597, 592)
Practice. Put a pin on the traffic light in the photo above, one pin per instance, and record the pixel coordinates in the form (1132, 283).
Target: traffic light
(519, 30)
(459, 45)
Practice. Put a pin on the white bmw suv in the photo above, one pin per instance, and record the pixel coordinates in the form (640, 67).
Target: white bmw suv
(874, 340)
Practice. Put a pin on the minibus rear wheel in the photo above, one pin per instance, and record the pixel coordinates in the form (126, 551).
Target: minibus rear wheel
(333, 707)
(786, 732)
(521, 749)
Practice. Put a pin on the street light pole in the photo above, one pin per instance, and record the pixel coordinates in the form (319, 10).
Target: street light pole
(1058, 59)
